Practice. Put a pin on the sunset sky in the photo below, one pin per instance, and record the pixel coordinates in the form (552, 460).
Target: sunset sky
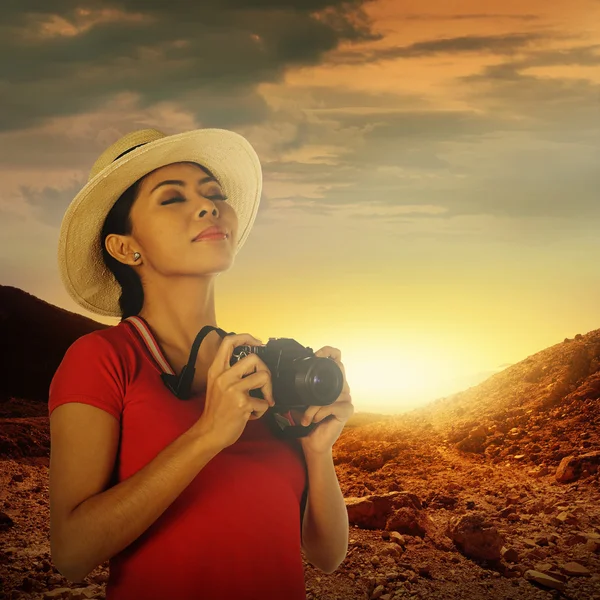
(431, 169)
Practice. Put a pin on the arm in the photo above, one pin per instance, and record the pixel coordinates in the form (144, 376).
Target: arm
(325, 526)
(90, 524)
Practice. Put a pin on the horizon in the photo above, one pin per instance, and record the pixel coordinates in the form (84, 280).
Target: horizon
(430, 176)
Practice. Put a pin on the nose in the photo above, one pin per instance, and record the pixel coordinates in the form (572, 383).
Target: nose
(206, 205)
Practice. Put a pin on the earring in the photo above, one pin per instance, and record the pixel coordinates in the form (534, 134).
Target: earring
(136, 255)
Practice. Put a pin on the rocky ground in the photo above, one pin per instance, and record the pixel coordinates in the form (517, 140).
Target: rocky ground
(491, 493)
(407, 539)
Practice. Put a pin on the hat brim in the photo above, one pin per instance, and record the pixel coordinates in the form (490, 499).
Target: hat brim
(227, 154)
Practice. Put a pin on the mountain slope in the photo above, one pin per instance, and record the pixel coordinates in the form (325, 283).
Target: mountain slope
(34, 336)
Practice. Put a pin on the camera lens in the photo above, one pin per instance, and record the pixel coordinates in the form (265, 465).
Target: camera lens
(325, 380)
(317, 380)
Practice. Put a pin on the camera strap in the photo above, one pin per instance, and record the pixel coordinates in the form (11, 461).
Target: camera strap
(282, 425)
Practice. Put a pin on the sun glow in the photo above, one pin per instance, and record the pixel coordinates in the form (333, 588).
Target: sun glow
(397, 380)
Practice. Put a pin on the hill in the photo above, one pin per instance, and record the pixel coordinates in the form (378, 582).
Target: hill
(493, 492)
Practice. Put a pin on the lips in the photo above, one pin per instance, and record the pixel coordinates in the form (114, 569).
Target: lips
(212, 231)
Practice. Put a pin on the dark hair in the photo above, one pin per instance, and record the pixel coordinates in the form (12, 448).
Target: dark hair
(118, 221)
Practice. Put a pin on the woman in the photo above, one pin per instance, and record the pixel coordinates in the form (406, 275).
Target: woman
(187, 499)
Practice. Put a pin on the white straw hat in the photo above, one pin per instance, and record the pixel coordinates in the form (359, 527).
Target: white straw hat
(229, 156)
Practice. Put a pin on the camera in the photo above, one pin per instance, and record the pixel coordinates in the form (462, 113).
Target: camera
(299, 378)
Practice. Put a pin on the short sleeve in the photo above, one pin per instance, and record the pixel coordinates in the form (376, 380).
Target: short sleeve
(91, 373)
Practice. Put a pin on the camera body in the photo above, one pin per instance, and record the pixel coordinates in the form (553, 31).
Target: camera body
(299, 378)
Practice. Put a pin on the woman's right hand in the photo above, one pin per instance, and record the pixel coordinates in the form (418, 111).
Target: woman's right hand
(228, 405)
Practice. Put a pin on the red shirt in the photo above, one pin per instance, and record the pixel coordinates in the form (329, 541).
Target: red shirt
(235, 530)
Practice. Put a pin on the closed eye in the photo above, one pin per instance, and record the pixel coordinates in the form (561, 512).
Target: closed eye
(178, 198)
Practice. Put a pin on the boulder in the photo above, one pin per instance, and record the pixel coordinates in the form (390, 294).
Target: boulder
(572, 467)
(544, 579)
(476, 538)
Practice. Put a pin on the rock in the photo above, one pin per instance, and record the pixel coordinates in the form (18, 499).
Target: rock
(391, 550)
(572, 467)
(5, 521)
(83, 594)
(557, 575)
(364, 513)
(510, 554)
(521, 569)
(544, 580)
(408, 521)
(478, 432)
(575, 539)
(511, 572)
(476, 538)
(373, 511)
(369, 512)
(424, 570)
(506, 512)
(564, 517)
(442, 501)
(536, 554)
(397, 538)
(565, 471)
(61, 592)
(573, 568)
(474, 442)
(592, 546)
(406, 499)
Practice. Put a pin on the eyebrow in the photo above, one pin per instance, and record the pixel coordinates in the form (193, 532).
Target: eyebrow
(182, 183)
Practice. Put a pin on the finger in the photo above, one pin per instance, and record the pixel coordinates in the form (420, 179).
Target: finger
(256, 412)
(225, 350)
(298, 414)
(336, 355)
(329, 352)
(309, 413)
(340, 410)
(261, 379)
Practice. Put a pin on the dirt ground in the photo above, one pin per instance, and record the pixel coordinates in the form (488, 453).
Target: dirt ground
(545, 523)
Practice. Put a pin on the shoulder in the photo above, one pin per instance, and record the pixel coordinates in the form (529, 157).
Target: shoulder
(110, 339)
(110, 347)
(116, 336)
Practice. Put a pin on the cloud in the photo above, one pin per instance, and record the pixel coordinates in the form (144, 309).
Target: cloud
(207, 57)
(49, 203)
(558, 108)
(522, 146)
(585, 56)
(505, 44)
(528, 151)
(471, 17)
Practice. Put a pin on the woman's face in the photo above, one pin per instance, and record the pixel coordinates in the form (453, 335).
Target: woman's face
(174, 204)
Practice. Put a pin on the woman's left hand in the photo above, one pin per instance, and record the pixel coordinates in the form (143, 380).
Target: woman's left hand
(330, 418)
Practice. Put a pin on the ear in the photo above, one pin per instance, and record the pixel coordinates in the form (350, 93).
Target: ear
(121, 248)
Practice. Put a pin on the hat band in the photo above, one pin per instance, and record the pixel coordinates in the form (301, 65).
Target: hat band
(129, 150)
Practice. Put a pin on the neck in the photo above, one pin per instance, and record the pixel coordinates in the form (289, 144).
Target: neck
(178, 310)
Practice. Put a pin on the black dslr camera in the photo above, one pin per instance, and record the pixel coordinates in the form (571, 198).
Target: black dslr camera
(299, 378)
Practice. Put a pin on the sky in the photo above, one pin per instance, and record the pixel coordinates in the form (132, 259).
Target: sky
(430, 194)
